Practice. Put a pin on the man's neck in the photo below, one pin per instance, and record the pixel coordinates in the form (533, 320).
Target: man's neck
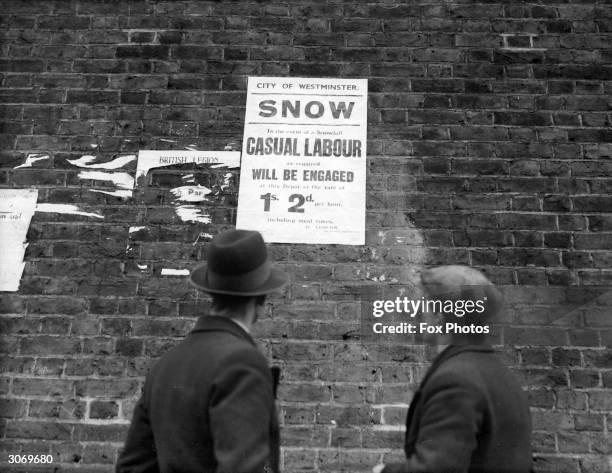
(244, 326)
(244, 320)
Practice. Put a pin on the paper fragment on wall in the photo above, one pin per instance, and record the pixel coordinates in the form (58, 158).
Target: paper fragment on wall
(123, 181)
(192, 213)
(16, 210)
(174, 272)
(31, 159)
(150, 159)
(118, 193)
(86, 162)
(227, 180)
(190, 193)
(65, 209)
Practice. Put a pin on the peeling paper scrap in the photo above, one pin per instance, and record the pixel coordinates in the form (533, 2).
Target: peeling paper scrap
(10, 275)
(202, 235)
(16, 210)
(120, 179)
(174, 272)
(65, 209)
(136, 229)
(190, 193)
(84, 162)
(231, 146)
(192, 213)
(227, 179)
(149, 159)
(118, 193)
(31, 159)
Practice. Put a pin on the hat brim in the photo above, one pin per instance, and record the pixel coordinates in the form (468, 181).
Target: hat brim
(199, 279)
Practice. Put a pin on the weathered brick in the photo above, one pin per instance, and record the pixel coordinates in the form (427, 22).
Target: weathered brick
(42, 387)
(48, 345)
(491, 156)
(103, 410)
(115, 388)
(38, 430)
(589, 422)
(68, 409)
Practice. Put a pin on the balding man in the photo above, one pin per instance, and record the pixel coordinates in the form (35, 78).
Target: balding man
(469, 414)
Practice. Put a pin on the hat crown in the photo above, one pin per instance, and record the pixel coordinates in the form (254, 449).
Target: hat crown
(236, 252)
(238, 265)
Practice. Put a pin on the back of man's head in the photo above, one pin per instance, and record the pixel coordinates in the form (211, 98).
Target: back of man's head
(468, 299)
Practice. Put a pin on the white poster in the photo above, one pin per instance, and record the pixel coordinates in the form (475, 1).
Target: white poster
(16, 209)
(303, 170)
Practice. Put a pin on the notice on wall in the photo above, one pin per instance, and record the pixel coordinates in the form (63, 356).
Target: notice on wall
(16, 209)
(150, 159)
(303, 170)
(192, 193)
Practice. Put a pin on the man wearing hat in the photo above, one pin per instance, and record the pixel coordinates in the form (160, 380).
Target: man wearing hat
(469, 414)
(208, 404)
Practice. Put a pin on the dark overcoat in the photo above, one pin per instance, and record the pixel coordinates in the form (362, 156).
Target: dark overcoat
(468, 415)
(207, 406)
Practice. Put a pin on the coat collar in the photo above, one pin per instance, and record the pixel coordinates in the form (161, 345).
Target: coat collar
(213, 323)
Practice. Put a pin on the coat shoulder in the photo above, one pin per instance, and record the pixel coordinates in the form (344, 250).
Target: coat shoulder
(205, 353)
(470, 369)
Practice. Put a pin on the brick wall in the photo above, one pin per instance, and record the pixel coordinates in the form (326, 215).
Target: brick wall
(489, 144)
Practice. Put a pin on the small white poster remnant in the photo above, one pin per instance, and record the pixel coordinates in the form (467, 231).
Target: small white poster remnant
(16, 209)
(89, 162)
(303, 171)
(31, 159)
(65, 209)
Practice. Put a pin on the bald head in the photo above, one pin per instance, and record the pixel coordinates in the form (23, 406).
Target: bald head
(455, 282)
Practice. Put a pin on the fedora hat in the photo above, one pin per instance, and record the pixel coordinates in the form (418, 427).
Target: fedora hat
(455, 282)
(238, 265)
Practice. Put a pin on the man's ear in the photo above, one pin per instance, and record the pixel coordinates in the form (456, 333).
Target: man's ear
(260, 300)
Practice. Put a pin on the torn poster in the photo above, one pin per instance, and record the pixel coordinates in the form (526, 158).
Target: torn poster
(303, 171)
(149, 159)
(16, 209)
(192, 181)
(112, 174)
